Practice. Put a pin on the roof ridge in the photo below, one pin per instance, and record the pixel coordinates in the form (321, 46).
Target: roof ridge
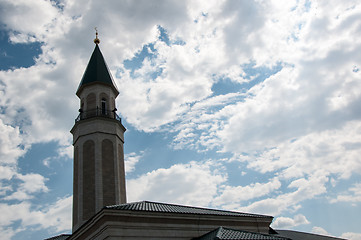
(123, 204)
(160, 208)
(204, 208)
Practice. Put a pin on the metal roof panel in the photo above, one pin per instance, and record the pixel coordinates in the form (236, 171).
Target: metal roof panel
(148, 206)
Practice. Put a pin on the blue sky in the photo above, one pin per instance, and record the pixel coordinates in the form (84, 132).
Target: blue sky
(250, 106)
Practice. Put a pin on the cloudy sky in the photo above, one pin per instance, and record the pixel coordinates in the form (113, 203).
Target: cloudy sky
(252, 106)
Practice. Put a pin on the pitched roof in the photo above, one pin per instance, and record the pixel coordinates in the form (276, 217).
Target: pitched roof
(60, 237)
(97, 71)
(232, 234)
(148, 206)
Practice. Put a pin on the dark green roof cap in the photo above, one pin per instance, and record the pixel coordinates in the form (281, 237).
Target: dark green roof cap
(97, 72)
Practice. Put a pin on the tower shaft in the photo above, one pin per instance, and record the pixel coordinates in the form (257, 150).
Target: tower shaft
(98, 139)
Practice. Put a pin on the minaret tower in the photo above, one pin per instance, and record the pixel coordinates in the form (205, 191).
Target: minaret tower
(98, 138)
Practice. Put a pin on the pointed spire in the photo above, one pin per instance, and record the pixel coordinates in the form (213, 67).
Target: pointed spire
(97, 70)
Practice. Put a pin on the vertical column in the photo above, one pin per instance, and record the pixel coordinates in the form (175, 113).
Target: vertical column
(75, 186)
(88, 179)
(121, 174)
(108, 172)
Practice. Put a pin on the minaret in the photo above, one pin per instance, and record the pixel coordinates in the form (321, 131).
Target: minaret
(98, 138)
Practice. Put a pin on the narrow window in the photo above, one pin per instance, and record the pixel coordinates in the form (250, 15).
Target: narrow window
(104, 106)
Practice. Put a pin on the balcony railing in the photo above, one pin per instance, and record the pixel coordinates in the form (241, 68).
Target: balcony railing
(98, 112)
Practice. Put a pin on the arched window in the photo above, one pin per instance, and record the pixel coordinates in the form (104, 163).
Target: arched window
(104, 106)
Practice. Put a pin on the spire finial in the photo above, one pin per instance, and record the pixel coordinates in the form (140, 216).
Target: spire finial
(96, 40)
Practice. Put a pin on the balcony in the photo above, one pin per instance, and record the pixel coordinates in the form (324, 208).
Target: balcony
(98, 112)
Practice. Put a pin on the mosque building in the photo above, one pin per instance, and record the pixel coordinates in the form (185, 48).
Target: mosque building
(100, 207)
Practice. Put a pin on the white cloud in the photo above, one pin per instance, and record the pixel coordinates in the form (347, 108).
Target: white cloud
(31, 184)
(235, 195)
(27, 19)
(54, 216)
(46, 161)
(310, 162)
(131, 159)
(57, 215)
(320, 230)
(44, 115)
(4, 188)
(10, 148)
(286, 222)
(353, 195)
(187, 69)
(323, 153)
(7, 232)
(300, 189)
(192, 184)
(210, 48)
(66, 150)
(351, 236)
